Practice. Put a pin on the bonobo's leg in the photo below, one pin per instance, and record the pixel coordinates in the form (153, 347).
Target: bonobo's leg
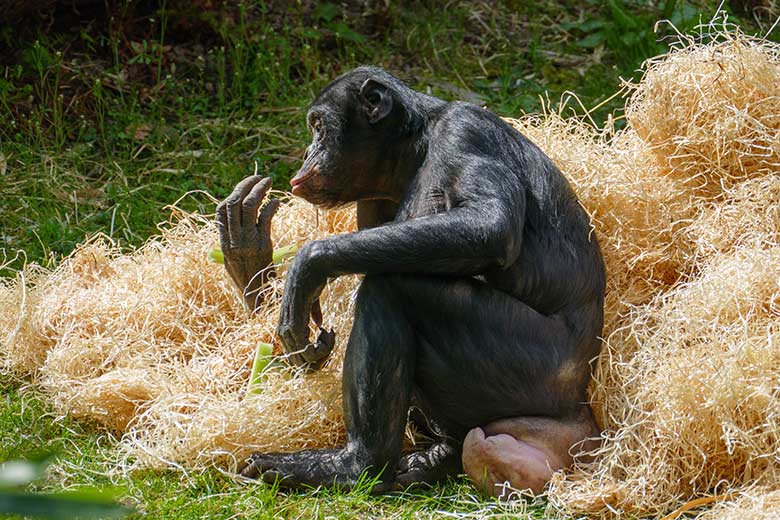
(475, 354)
(377, 383)
(482, 356)
(523, 452)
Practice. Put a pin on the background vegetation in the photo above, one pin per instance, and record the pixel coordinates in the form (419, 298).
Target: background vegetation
(111, 110)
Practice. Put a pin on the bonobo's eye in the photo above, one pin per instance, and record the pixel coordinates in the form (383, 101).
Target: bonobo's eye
(315, 125)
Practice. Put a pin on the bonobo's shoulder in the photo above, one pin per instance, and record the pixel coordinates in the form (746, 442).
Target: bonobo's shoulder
(463, 109)
(459, 114)
(461, 121)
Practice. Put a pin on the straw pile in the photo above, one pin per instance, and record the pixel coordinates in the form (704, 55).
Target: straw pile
(157, 345)
(718, 126)
(686, 204)
(687, 386)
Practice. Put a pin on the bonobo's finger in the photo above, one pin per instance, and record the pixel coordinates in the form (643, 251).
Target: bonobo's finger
(244, 186)
(223, 226)
(326, 339)
(295, 360)
(267, 214)
(251, 203)
(293, 344)
(233, 203)
(271, 477)
(320, 350)
(316, 313)
(249, 471)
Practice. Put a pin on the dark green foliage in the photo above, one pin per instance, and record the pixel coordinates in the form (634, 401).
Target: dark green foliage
(111, 119)
(628, 31)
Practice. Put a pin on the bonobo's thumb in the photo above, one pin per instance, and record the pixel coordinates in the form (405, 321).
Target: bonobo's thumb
(316, 313)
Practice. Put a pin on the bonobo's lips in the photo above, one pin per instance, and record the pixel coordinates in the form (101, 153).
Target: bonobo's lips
(302, 176)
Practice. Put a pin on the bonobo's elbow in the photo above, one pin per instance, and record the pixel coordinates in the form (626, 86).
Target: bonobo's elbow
(312, 259)
(509, 250)
(500, 241)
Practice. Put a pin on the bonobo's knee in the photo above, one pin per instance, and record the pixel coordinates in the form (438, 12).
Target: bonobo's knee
(380, 311)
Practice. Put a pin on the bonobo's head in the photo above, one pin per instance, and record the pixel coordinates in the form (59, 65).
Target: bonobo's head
(360, 124)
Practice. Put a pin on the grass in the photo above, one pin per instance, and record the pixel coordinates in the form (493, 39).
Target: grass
(109, 118)
(82, 459)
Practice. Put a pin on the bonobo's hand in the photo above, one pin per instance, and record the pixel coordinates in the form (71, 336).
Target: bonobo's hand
(245, 236)
(304, 283)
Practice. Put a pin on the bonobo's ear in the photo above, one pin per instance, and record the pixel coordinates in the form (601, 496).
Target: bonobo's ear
(377, 100)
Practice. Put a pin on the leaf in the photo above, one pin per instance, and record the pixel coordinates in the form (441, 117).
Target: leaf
(216, 256)
(669, 8)
(263, 358)
(138, 47)
(584, 26)
(326, 11)
(630, 38)
(590, 25)
(283, 253)
(623, 20)
(15, 473)
(344, 31)
(79, 504)
(592, 40)
(308, 32)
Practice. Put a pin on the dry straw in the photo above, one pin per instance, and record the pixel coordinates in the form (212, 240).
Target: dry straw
(685, 202)
(711, 113)
(156, 345)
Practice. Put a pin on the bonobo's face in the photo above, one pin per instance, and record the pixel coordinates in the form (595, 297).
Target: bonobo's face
(343, 163)
(323, 177)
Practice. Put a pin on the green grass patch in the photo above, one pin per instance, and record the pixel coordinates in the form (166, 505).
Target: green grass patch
(105, 129)
(82, 458)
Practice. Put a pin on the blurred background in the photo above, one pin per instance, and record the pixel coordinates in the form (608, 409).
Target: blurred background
(112, 109)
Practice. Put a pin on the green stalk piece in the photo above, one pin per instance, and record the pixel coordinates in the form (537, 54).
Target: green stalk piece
(284, 253)
(216, 256)
(280, 255)
(263, 357)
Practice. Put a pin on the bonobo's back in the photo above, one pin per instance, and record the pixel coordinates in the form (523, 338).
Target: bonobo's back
(559, 263)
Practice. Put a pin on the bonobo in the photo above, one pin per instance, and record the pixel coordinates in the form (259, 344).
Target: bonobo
(482, 301)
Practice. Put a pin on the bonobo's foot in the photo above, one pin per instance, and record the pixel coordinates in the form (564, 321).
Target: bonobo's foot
(310, 468)
(428, 466)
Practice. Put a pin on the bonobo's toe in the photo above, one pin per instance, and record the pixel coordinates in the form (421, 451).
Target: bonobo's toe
(326, 339)
(406, 479)
(411, 471)
(272, 476)
(253, 467)
(263, 467)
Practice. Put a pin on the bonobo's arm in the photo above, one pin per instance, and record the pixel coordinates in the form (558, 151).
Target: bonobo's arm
(463, 241)
(245, 237)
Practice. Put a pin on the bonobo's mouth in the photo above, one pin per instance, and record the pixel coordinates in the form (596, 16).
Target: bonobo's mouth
(302, 176)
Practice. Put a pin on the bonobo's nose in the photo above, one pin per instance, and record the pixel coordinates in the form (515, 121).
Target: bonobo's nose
(306, 153)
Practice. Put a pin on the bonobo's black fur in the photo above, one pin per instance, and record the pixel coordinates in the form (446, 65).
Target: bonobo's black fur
(483, 289)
